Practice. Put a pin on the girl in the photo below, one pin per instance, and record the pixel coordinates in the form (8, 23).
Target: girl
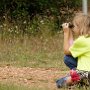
(78, 49)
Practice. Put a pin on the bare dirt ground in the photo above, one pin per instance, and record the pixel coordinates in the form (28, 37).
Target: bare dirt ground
(31, 76)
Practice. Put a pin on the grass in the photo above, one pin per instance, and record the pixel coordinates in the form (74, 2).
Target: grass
(32, 52)
(6, 86)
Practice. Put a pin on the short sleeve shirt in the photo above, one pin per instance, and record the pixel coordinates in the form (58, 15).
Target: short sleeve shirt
(81, 49)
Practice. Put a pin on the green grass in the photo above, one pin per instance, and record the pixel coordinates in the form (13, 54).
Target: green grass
(12, 87)
(32, 52)
(6, 86)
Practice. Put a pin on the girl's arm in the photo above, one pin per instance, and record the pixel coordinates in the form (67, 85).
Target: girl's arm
(68, 39)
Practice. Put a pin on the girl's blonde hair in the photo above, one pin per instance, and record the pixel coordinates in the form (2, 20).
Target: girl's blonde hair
(83, 23)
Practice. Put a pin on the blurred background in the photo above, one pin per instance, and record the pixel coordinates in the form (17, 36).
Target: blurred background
(30, 32)
(31, 36)
(27, 17)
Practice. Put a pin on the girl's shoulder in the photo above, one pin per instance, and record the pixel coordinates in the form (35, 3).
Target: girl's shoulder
(82, 40)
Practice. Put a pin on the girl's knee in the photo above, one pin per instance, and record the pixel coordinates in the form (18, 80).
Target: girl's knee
(66, 59)
(70, 61)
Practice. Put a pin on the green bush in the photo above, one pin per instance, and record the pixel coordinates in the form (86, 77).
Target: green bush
(24, 17)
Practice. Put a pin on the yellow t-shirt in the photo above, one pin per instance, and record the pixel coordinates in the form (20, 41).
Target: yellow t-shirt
(81, 49)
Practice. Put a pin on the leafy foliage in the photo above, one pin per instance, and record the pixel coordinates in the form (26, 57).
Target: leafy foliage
(19, 8)
(23, 13)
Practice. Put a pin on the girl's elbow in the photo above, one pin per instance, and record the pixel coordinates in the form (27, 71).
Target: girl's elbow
(67, 52)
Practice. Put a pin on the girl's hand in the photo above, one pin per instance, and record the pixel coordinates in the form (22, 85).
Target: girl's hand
(65, 25)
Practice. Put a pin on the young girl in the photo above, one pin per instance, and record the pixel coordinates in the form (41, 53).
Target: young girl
(78, 49)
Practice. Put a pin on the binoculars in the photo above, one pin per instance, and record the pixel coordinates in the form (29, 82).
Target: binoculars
(70, 25)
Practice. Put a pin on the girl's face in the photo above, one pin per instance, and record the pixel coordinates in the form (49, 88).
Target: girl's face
(76, 29)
